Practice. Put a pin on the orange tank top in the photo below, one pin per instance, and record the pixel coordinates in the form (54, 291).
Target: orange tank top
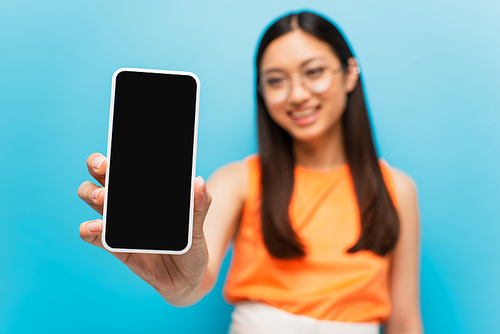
(328, 283)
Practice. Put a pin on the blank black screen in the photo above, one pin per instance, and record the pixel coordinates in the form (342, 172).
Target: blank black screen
(150, 163)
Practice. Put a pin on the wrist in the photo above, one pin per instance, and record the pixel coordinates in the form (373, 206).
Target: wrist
(188, 296)
(192, 294)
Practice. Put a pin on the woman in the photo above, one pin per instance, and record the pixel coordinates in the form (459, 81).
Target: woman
(325, 235)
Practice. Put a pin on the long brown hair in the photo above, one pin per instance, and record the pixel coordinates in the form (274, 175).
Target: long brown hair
(379, 220)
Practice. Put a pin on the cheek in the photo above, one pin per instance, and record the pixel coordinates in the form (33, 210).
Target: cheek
(277, 113)
(334, 102)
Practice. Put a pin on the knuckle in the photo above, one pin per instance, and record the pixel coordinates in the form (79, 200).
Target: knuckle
(83, 231)
(85, 190)
(81, 189)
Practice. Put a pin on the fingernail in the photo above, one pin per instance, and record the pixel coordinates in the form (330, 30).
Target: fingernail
(97, 162)
(95, 193)
(94, 227)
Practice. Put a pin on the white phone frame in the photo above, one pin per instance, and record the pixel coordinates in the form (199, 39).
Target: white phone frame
(193, 174)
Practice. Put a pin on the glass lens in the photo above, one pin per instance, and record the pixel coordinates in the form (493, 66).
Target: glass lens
(275, 87)
(317, 79)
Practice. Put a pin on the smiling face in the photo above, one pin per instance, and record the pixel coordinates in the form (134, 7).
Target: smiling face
(306, 114)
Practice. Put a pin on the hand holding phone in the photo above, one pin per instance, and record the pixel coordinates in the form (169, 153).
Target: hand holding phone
(148, 197)
(175, 277)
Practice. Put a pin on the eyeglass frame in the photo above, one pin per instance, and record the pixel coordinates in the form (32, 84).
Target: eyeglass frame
(290, 78)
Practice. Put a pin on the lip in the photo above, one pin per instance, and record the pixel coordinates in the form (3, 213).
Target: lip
(306, 119)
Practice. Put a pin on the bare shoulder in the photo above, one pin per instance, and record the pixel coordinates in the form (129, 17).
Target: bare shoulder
(235, 171)
(408, 206)
(405, 186)
(230, 178)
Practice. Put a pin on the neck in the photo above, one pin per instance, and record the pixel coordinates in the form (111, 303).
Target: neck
(324, 153)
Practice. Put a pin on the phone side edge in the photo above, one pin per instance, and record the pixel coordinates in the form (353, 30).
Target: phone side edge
(108, 156)
(193, 162)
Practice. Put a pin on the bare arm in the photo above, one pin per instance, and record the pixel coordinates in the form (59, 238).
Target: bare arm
(228, 187)
(405, 272)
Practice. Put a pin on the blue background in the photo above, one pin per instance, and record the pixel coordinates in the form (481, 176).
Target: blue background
(432, 75)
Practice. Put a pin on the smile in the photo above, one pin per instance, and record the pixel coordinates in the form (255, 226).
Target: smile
(303, 113)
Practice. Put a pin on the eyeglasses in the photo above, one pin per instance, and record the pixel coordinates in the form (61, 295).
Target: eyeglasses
(276, 86)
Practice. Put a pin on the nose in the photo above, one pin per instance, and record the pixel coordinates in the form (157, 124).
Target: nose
(299, 93)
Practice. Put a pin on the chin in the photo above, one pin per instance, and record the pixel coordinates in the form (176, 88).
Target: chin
(316, 132)
(306, 135)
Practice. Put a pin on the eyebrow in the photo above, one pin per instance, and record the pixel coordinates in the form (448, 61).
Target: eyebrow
(280, 70)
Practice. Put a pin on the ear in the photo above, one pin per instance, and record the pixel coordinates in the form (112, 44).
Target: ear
(351, 75)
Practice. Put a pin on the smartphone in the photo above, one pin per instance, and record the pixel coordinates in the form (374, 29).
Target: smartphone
(153, 125)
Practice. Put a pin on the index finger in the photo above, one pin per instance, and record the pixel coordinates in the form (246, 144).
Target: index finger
(96, 164)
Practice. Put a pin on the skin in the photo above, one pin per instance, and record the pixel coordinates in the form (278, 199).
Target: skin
(184, 279)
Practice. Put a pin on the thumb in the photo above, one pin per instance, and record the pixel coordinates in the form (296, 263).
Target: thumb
(202, 201)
